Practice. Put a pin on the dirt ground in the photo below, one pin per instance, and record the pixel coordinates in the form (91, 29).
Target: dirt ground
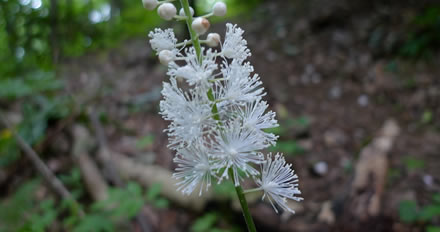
(333, 62)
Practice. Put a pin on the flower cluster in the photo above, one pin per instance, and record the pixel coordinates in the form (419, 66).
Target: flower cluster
(218, 117)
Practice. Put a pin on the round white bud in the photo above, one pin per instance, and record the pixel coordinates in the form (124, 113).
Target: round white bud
(167, 11)
(182, 11)
(165, 57)
(219, 9)
(200, 25)
(213, 39)
(150, 4)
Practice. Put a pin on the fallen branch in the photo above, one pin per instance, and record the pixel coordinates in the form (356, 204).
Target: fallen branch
(148, 175)
(370, 177)
(105, 156)
(54, 183)
(95, 183)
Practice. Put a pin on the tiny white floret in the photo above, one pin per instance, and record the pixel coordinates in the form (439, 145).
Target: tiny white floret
(150, 4)
(163, 40)
(200, 25)
(182, 11)
(213, 39)
(279, 182)
(167, 11)
(166, 56)
(193, 169)
(219, 9)
(234, 46)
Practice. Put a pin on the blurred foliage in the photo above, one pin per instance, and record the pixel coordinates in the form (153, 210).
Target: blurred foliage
(37, 32)
(409, 212)
(73, 181)
(35, 115)
(22, 211)
(153, 196)
(145, 142)
(225, 189)
(286, 144)
(424, 35)
(412, 163)
(208, 223)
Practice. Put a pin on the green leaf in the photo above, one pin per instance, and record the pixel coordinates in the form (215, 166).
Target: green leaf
(275, 130)
(413, 163)
(32, 84)
(225, 188)
(93, 223)
(408, 211)
(145, 142)
(288, 147)
(436, 198)
(206, 222)
(432, 229)
(302, 121)
(154, 191)
(122, 203)
(427, 117)
(429, 212)
(210, 95)
(161, 203)
(9, 151)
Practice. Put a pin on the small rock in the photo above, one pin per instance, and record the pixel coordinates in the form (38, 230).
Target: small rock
(316, 78)
(335, 92)
(320, 168)
(307, 144)
(271, 56)
(363, 100)
(326, 215)
(295, 206)
(429, 181)
(335, 137)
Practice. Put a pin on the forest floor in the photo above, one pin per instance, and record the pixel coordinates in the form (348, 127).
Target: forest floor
(334, 76)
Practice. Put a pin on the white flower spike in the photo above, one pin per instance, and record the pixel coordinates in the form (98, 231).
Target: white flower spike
(214, 102)
(279, 182)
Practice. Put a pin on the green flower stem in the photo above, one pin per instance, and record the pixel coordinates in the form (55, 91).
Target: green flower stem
(196, 43)
(252, 190)
(244, 206)
(194, 36)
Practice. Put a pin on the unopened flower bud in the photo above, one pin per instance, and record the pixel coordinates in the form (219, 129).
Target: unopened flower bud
(150, 4)
(213, 39)
(167, 11)
(200, 25)
(165, 57)
(219, 9)
(182, 11)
